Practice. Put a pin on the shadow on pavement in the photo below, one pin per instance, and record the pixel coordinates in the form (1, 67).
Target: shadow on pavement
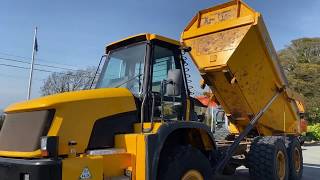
(310, 172)
(311, 144)
(241, 174)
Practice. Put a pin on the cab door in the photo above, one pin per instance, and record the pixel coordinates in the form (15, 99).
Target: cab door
(165, 58)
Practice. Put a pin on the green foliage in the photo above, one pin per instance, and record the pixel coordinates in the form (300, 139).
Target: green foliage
(314, 132)
(301, 62)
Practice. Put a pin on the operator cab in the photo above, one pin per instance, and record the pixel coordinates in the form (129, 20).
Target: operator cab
(152, 68)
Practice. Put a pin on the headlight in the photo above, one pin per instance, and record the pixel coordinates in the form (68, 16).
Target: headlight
(43, 143)
(49, 146)
(26, 176)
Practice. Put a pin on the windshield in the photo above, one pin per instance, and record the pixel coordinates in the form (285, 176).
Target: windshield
(124, 68)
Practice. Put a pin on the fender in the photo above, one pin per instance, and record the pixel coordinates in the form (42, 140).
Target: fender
(155, 143)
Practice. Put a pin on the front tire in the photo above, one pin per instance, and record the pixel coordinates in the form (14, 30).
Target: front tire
(185, 163)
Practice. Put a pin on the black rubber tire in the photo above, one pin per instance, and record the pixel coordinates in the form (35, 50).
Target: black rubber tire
(229, 170)
(262, 158)
(182, 159)
(293, 144)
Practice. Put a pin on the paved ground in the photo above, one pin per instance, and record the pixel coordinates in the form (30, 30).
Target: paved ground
(311, 171)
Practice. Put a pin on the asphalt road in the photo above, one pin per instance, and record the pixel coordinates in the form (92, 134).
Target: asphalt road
(311, 167)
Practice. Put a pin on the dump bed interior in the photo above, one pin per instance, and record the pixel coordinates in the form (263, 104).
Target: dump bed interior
(235, 56)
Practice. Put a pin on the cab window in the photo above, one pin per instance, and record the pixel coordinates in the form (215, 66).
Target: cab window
(124, 68)
(164, 60)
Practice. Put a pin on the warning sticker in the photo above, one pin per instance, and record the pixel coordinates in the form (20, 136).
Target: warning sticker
(85, 174)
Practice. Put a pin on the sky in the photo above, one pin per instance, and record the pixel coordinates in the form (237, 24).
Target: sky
(72, 34)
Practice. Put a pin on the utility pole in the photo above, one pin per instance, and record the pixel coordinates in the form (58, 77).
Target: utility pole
(34, 50)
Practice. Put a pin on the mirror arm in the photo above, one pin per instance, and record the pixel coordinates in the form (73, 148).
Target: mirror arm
(163, 83)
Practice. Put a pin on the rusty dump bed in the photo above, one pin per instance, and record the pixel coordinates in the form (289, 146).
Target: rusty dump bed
(235, 56)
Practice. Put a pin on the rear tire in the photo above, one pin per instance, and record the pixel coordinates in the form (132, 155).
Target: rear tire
(185, 162)
(267, 159)
(295, 158)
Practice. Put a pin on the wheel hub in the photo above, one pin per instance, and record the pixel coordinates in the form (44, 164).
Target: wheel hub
(192, 175)
(281, 165)
(297, 160)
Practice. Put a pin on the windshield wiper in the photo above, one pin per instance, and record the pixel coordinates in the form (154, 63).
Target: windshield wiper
(129, 80)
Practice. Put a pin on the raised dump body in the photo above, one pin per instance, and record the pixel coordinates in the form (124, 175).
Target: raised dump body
(235, 56)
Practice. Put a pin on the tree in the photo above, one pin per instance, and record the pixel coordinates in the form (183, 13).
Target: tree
(68, 81)
(301, 62)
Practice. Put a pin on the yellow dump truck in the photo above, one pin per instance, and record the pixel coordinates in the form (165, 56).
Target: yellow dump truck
(139, 122)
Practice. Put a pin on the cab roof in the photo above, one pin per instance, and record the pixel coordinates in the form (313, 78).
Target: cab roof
(140, 38)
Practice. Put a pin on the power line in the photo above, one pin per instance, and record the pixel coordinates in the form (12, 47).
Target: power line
(44, 65)
(36, 69)
(19, 77)
(14, 66)
(44, 60)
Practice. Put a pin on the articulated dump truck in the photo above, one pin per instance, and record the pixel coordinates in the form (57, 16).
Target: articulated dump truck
(140, 123)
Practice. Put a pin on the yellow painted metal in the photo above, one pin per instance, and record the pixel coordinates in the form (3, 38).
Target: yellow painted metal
(149, 37)
(147, 125)
(235, 56)
(115, 164)
(72, 168)
(121, 99)
(52, 101)
(162, 38)
(134, 144)
(233, 129)
(141, 155)
(71, 110)
(300, 106)
(188, 109)
(32, 154)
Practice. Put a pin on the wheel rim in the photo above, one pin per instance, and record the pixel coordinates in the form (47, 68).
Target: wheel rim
(192, 175)
(281, 165)
(297, 159)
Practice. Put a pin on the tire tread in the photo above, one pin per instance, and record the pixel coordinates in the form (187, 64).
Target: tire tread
(261, 157)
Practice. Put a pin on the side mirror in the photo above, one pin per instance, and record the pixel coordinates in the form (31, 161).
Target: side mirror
(170, 87)
(173, 85)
